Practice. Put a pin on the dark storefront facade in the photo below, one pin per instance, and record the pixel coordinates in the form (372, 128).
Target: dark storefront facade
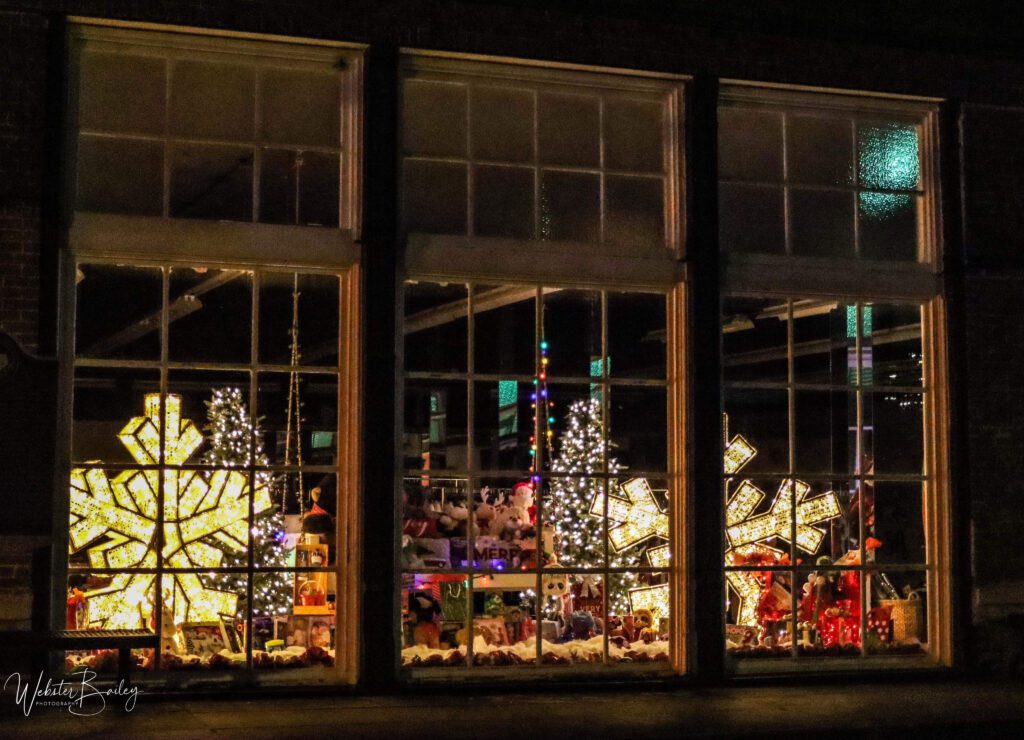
(428, 342)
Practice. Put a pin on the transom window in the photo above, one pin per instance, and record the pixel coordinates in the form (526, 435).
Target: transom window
(844, 181)
(494, 151)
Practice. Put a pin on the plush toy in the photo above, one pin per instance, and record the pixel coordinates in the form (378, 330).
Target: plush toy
(643, 619)
(425, 609)
(485, 509)
(453, 519)
(555, 584)
(506, 524)
(522, 500)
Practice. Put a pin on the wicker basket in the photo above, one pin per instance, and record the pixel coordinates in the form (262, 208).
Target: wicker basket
(907, 617)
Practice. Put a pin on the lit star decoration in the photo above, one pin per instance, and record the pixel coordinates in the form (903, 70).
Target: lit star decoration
(747, 584)
(776, 522)
(198, 506)
(747, 532)
(654, 598)
(637, 515)
(659, 557)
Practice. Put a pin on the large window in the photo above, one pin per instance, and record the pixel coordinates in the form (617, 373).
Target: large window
(535, 499)
(539, 493)
(212, 457)
(834, 467)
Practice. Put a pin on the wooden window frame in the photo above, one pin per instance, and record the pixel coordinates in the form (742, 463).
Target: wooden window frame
(680, 641)
(467, 255)
(920, 283)
(170, 243)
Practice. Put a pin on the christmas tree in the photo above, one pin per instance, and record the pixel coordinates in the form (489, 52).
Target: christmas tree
(231, 434)
(579, 535)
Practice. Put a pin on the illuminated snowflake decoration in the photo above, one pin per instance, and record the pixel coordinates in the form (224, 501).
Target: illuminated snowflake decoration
(747, 532)
(116, 519)
(636, 515)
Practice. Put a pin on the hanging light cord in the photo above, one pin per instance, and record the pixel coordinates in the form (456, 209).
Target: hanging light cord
(294, 407)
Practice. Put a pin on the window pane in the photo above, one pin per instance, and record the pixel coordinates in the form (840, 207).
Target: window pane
(105, 401)
(896, 520)
(821, 223)
(751, 219)
(894, 432)
(435, 425)
(503, 424)
(572, 328)
(502, 124)
(820, 150)
(754, 340)
(569, 509)
(635, 211)
(638, 424)
(436, 518)
(760, 417)
(633, 135)
(220, 407)
(300, 107)
(826, 432)
(824, 342)
(212, 101)
(132, 331)
(888, 156)
(749, 145)
(434, 118)
(891, 345)
(636, 335)
(504, 323)
(569, 130)
(436, 327)
(210, 315)
(835, 599)
(122, 93)
(304, 181)
(283, 433)
(317, 314)
(570, 207)
(102, 184)
(888, 226)
(435, 197)
(503, 201)
(434, 620)
(211, 182)
(305, 636)
(897, 623)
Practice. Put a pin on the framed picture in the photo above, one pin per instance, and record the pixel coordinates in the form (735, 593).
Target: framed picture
(204, 638)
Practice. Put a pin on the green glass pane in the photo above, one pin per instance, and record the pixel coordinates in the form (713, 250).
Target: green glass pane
(888, 156)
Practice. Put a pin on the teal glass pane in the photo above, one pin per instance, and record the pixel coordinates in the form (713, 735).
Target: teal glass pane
(888, 156)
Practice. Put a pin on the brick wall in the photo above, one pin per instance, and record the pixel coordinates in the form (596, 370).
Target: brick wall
(23, 59)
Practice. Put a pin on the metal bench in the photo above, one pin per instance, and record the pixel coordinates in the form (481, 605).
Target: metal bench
(124, 641)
